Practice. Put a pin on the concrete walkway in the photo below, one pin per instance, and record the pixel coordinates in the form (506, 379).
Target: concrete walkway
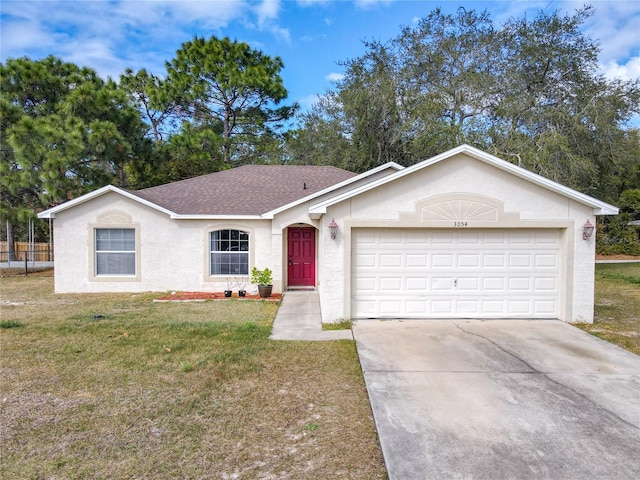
(298, 318)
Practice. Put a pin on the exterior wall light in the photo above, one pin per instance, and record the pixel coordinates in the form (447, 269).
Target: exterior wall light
(587, 230)
(333, 229)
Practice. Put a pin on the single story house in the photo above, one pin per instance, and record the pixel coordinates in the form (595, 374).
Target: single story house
(461, 235)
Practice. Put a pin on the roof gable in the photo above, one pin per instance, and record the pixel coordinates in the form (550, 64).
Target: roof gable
(600, 207)
(387, 168)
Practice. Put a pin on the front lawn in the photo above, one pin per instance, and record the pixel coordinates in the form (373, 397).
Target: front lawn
(117, 386)
(617, 305)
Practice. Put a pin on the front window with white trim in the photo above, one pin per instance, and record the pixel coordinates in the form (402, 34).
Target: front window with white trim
(229, 252)
(115, 251)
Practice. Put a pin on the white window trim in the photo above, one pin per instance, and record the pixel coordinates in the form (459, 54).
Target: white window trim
(208, 277)
(113, 220)
(248, 253)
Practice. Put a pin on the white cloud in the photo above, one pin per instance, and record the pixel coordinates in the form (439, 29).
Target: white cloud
(313, 38)
(109, 36)
(615, 26)
(308, 3)
(307, 102)
(373, 3)
(267, 11)
(335, 77)
(627, 71)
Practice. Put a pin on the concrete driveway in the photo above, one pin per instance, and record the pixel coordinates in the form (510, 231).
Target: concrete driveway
(456, 399)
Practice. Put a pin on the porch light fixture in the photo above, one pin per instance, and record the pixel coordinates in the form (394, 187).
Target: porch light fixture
(587, 230)
(333, 229)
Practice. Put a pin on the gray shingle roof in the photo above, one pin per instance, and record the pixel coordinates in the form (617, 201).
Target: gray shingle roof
(246, 190)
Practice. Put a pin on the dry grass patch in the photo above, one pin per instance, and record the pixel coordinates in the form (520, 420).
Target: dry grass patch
(617, 305)
(117, 386)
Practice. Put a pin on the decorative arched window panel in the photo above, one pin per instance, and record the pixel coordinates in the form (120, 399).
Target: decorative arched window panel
(229, 252)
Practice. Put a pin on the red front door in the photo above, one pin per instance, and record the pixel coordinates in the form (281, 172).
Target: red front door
(301, 248)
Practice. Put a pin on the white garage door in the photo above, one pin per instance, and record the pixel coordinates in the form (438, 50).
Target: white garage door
(418, 273)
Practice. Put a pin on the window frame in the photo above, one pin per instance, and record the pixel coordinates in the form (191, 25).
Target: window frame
(97, 251)
(226, 247)
(113, 220)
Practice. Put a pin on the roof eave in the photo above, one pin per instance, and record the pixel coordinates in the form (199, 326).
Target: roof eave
(51, 212)
(272, 213)
(188, 216)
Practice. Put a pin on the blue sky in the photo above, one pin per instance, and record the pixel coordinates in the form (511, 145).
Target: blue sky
(311, 36)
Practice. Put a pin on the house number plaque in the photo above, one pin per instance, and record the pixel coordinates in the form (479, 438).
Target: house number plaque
(460, 224)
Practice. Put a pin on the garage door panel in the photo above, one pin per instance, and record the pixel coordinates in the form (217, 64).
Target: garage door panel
(390, 260)
(545, 306)
(468, 307)
(442, 307)
(546, 237)
(416, 308)
(468, 260)
(520, 284)
(520, 238)
(455, 273)
(365, 285)
(520, 260)
(494, 307)
(442, 238)
(520, 307)
(549, 284)
(546, 261)
(469, 284)
(494, 238)
(495, 260)
(493, 284)
(416, 261)
(364, 260)
(442, 260)
(391, 284)
(416, 284)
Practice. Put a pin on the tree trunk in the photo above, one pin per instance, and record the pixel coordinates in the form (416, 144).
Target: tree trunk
(11, 246)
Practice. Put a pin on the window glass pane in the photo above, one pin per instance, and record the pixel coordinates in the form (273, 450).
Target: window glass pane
(115, 263)
(229, 252)
(115, 251)
(115, 239)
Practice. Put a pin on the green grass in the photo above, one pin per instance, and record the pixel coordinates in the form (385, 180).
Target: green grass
(117, 386)
(627, 272)
(343, 325)
(617, 305)
(10, 324)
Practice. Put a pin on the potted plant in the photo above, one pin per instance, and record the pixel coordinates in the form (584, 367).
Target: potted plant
(263, 279)
(227, 292)
(242, 282)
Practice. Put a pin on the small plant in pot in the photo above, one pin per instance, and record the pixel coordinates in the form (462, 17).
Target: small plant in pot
(242, 282)
(227, 292)
(263, 279)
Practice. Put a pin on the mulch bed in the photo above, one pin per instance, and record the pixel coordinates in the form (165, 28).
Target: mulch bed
(204, 296)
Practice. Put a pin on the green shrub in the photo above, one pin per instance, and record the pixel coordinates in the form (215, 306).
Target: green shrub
(10, 324)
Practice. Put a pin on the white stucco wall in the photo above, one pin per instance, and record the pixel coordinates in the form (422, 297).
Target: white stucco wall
(173, 254)
(525, 204)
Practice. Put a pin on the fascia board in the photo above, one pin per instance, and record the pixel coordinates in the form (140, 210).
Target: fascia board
(599, 207)
(51, 212)
(215, 217)
(272, 213)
